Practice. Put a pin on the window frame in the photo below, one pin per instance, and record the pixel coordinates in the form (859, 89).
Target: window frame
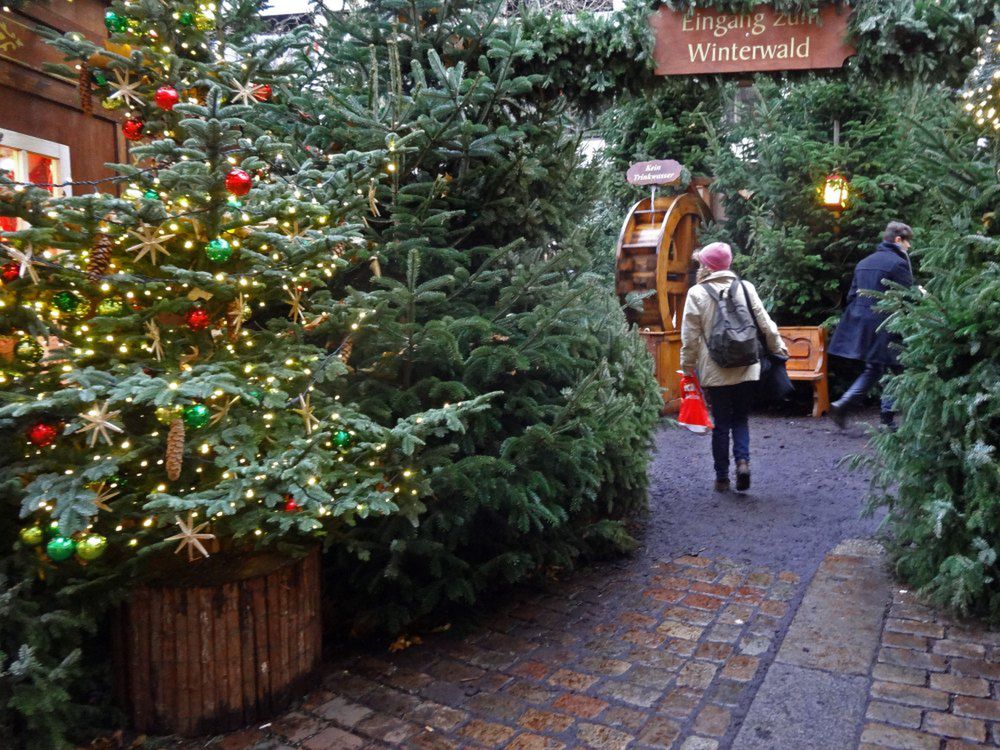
(59, 152)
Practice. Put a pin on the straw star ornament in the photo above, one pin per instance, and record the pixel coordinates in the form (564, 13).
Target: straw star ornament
(150, 242)
(191, 537)
(26, 261)
(126, 90)
(306, 412)
(98, 422)
(244, 93)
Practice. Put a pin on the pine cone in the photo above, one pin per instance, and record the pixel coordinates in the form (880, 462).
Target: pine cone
(345, 350)
(100, 258)
(83, 85)
(175, 450)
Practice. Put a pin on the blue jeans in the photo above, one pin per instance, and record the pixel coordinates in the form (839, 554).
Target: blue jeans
(867, 380)
(730, 406)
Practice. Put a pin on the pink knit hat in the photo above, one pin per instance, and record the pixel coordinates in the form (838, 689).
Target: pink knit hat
(716, 257)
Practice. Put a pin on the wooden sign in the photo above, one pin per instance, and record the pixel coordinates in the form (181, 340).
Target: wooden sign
(663, 172)
(707, 41)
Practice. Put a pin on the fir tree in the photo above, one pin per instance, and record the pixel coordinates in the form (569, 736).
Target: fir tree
(484, 287)
(939, 475)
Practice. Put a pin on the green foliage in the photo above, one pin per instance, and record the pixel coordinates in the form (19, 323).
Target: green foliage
(771, 160)
(485, 288)
(939, 475)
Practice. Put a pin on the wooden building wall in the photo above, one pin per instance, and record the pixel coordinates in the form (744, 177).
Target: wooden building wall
(39, 104)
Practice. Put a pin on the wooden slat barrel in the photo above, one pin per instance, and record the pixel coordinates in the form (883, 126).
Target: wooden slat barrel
(654, 254)
(202, 659)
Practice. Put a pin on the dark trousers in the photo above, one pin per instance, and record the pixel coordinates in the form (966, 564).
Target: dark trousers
(867, 380)
(730, 406)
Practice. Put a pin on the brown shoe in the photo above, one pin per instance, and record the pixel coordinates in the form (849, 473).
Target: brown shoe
(742, 476)
(722, 485)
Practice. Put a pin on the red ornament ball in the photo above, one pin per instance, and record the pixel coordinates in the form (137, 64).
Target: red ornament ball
(10, 272)
(166, 97)
(43, 434)
(238, 182)
(132, 129)
(262, 93)
(197, 319)
(290, 505)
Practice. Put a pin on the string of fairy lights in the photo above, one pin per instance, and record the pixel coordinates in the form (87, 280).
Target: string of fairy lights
(982, 97)
(102, 423)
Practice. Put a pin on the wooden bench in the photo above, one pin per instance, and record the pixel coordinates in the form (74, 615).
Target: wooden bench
(807, 361)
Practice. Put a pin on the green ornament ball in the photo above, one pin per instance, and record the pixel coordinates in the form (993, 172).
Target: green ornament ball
(66, 301)
(60, 548)
(115, 22)
(195, 416)
(218, 250)
(28, 350)
(99, 78)
(167, 414)
(110, 306)
(92, 547)
(32, 535)
(186, 18)
(341, 438)
(151, 195)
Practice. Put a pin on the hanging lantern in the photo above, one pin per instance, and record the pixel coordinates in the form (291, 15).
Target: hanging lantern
(835, 192)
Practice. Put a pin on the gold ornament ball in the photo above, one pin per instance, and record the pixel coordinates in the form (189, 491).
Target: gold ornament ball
(111, 104)
(203, 22)
(28, 350)
(110, 306)
(91, 547)
(167, 414)
(32, 535)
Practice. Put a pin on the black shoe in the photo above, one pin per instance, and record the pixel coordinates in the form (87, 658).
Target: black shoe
(722, 485)
(838, 413)
(742, 476)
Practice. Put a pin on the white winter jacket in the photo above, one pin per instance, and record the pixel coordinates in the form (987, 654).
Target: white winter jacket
(699, 314)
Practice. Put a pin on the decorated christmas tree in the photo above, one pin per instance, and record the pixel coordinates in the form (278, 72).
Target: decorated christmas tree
(169, 343)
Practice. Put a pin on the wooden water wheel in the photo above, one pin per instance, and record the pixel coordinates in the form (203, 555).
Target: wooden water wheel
(654, 254)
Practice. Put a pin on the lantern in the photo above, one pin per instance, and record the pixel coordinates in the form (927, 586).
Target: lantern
(835, 192)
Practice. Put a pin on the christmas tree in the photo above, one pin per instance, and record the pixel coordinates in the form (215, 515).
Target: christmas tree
(485, 286)
(170, 343)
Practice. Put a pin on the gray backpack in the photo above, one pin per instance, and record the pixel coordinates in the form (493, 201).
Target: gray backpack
(733, 339)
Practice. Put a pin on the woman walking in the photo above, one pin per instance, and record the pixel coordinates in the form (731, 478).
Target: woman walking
(729, 389)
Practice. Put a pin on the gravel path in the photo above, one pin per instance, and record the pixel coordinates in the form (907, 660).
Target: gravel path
(800, 506)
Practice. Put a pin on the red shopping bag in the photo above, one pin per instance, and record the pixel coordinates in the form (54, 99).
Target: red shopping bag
(694, 411)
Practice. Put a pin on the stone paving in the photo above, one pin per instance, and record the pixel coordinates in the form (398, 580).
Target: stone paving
(621, 658)
(936, 682)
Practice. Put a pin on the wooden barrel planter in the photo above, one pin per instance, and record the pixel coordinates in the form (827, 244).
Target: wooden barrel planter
(217, 655)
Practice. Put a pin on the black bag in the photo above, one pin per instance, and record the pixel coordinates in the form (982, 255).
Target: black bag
(733, 339)
(774, 383)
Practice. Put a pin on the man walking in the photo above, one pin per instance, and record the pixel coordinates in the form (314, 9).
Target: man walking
(860, 334)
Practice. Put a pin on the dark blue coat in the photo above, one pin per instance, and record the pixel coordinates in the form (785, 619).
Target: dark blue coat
(860, 334)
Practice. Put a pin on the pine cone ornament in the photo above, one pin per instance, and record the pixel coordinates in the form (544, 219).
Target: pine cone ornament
(345, 350)
(100, 258)
(83, 85)
(175, 450)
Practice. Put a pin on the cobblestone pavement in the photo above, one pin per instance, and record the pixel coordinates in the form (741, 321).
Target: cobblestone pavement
(936, 683)
(762, 637)
(616, 659)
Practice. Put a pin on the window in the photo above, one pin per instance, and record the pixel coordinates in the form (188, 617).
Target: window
(24, 158)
